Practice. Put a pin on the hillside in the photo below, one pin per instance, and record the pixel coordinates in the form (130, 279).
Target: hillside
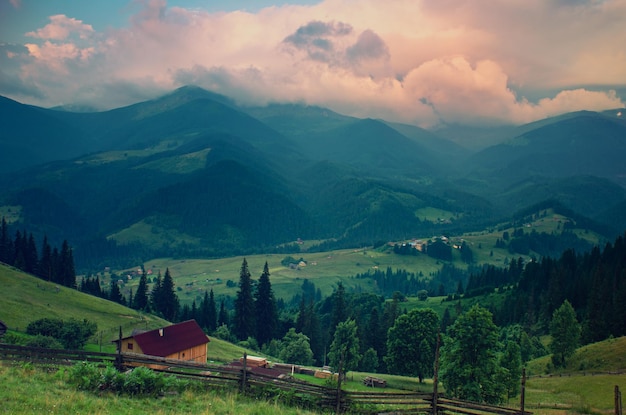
(26, 298)
(192, 174)
(608, 356)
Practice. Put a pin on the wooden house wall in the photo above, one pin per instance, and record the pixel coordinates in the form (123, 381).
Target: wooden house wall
(195, 354)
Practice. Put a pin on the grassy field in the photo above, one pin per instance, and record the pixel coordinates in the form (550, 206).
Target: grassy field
(194, 276)
(579, 388)
(34, 391)
(26, 298)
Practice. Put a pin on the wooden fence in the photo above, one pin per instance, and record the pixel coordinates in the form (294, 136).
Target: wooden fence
(260, 382)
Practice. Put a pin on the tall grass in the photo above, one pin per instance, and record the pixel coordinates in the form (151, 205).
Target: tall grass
(29, 390)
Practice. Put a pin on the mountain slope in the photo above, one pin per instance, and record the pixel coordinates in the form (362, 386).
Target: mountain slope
(31, 136)
(585, 144)
(26, 298)
(192, 173)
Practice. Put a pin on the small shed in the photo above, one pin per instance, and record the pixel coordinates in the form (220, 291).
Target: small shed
(183, 341)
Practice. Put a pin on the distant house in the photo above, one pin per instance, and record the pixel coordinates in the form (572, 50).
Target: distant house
(182, 341)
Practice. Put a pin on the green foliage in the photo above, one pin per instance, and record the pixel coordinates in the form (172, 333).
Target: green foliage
(72, 333)
(44, 341)
(469, 358)
(164, 299)
(369, 361)
(139, 381)
(265, 304)
(296, 348)
(565, 332)
(411, 343)
(511, 362)
(245, 313)
(344, 350)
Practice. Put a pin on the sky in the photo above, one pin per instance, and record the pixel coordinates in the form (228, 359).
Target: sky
(422, 62)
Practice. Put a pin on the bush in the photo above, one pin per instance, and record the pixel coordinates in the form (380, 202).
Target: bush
(140, 381)
(72, 334)
(46, 342)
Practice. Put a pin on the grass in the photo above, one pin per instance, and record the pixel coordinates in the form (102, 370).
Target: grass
(583, 394)
(605, 356)
(26, 298)
(194, 276)
(26, 390)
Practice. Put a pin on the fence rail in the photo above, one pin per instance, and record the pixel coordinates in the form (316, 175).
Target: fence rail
(250, 380)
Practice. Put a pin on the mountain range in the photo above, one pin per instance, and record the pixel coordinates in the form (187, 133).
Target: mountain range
(193, 173)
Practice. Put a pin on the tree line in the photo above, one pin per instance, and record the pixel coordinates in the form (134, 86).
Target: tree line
(48, 263)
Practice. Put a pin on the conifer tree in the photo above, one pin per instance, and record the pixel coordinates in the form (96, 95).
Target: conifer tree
(44, 268)
(222, 319)
(266, 314)
(140, 301)
(114, 294)
(169, 303)
(245, 321)
(211, 313)
(5, 242)
(66, 273)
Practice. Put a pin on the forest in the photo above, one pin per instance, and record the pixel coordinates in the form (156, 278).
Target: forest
(306, 329)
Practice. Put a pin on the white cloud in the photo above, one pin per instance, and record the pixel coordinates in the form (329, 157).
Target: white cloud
(413, 61)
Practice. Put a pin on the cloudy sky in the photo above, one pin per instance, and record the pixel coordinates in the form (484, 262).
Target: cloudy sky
(424, 62)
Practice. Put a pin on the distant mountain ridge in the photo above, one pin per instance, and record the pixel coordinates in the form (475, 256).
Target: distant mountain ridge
(193, 173)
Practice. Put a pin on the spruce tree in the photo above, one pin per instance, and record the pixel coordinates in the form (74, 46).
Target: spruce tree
(244, 319)
(266, 314)
(222, 319)
(66, 274)
(5, 242)
(114, 294)
(211, 314)
(44, 268)
(169, 300)
(140, 301)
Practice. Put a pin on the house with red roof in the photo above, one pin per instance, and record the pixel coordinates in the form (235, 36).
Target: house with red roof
(183, 341)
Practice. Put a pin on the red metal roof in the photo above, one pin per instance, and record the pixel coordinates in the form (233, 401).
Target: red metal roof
(171, 339)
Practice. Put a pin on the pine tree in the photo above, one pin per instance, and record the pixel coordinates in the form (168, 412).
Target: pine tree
(30, 255)
(66, 274)
(44, 269)
(156, 294)
(115, 295)
(6, 246)
(211, 314)
(340, 312)
(266, 314)
(223, 319)
(140, 301)
(245, 322)
(169, 300)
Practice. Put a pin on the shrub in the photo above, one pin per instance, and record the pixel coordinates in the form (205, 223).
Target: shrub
(72, 334)
(44, 341)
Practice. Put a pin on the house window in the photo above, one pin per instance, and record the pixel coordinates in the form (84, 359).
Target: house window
(130, 346)
(183, 354)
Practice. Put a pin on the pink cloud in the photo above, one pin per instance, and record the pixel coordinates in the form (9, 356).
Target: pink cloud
(61, 27)
(418, 62)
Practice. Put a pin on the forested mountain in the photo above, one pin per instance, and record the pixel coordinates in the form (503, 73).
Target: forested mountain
(193, 173)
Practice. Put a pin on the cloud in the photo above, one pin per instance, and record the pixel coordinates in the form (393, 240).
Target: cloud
(316, 39)
(420, 62)
(61, 27)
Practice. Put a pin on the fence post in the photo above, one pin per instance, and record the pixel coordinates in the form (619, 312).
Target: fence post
(244, 372)
(436, 376)
(523, 391)
(118, 357)
(339, 377)
(618, 401)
